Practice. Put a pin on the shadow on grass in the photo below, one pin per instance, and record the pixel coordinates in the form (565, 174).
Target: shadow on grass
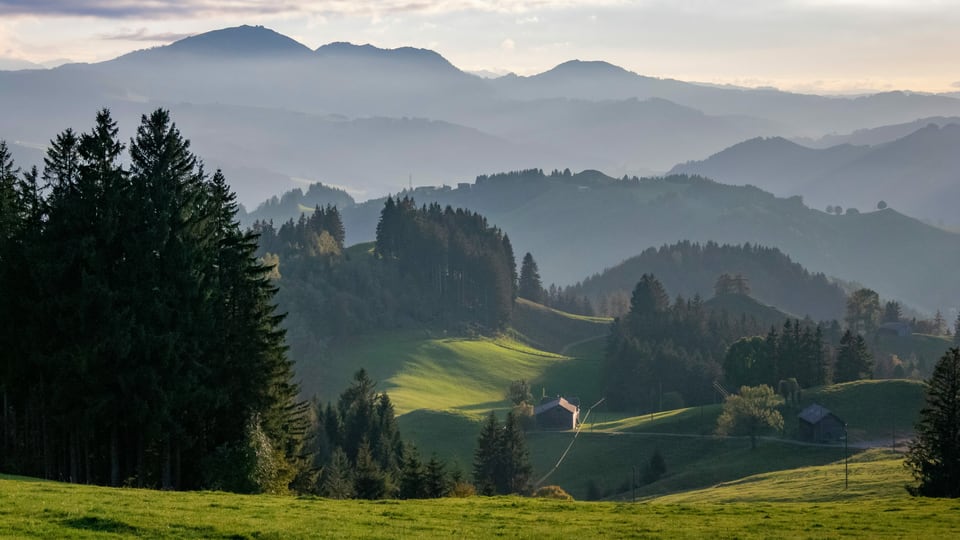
(99, 524)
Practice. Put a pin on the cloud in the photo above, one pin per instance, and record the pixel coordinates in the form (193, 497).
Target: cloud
(143, 35)
(508, 44)
(955, 84)
(123, 9)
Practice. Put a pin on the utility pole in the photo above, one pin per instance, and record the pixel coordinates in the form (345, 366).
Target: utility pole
(846, 460)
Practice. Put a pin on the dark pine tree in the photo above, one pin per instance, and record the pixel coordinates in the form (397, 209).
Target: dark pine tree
(530, 286)
(934, 455)
(854, 361)
(486, 457)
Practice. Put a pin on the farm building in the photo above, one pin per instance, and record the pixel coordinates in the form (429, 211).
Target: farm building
(818, 424)
(556, 413)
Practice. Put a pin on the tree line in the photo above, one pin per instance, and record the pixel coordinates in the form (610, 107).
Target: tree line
(667, 355)
(690, 268)
(140, 342)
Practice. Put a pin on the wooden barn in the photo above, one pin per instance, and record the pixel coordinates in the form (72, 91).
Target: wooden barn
(818, 424)
(556, 413)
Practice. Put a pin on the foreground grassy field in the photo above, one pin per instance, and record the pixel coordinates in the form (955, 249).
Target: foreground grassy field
(30, 508)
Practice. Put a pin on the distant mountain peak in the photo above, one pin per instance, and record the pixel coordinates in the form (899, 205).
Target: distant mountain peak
(425, 57)
(588, 67)
(238, 41)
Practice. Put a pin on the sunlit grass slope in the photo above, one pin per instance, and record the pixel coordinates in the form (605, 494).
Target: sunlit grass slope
(873, 474)
(423, 371)
(53, 510)
(553, 330)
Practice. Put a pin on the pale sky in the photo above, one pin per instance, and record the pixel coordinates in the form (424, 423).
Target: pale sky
(825, 46)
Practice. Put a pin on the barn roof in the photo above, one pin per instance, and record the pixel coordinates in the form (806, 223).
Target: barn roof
(815, 413)
(554, 403)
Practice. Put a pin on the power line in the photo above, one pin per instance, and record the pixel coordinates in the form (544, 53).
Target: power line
(569, 446)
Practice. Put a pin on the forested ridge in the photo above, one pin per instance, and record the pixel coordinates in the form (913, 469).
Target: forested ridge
(689, 268)
(140, 342)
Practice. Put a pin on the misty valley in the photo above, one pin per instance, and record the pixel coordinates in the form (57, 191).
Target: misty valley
(250, 288)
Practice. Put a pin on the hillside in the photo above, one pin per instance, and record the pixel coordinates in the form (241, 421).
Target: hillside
(552, 216)
(445, 385)
(50, 509)
(915, 173)
(871, 475)
(689, 269)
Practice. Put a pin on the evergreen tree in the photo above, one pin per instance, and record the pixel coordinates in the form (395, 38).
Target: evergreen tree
(486, 457)
(530, 286)
(934, 455)
(437, 481)
(369, 481)
(892, 312)
(337, 478)
(514, 462)
(854, 361)
(413, 480)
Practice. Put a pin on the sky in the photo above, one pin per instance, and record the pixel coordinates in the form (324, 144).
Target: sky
(816, 46)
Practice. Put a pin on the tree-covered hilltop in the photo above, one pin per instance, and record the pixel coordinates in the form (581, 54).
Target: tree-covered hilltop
(139, 342)
(689, 268)
(430, 266)
(296, 202)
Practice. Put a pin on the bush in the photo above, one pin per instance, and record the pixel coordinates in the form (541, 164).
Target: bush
(552, 492)
(462, 490)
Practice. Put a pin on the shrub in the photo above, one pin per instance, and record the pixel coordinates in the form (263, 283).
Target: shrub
(462, 490)
(552, 492)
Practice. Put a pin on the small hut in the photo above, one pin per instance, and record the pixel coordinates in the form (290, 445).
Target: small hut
(556, 413)
(819, 425)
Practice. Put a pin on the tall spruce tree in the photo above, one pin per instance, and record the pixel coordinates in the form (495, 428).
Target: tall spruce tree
(934, 454)
(515, 468)
(486, 457)
(530, 286)
(854, 361)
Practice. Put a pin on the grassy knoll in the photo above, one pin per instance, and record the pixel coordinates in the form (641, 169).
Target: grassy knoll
(421, 370)
(52, 510)
(873, 474)
(873, 410)
(602, 463)
(553, 330)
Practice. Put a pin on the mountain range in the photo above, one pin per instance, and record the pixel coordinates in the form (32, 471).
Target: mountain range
(918, 174)
(576, 225)
(373, 120)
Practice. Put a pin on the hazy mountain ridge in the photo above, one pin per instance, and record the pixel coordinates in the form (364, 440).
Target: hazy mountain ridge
(916, 174)
(877, 135)
(574, 229)
(579, 114)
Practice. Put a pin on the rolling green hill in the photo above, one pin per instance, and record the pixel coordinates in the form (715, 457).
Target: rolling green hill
(442, 386)
(874, 474)
(756, 507)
